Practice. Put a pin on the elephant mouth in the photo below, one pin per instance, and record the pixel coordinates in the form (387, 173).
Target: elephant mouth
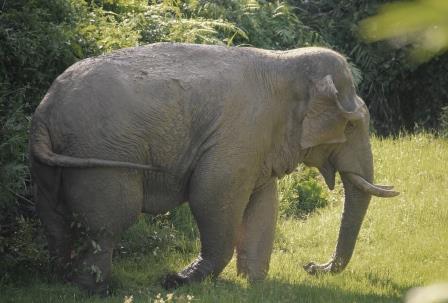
(328, 171)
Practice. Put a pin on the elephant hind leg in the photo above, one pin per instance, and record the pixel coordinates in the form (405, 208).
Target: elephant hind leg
(104, 202)
(54, 216)
(93, 266)
(256, 235)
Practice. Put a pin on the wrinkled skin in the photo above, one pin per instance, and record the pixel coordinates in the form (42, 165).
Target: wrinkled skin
(147, 129)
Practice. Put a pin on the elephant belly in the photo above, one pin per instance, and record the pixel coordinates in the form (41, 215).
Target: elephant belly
(162, 192)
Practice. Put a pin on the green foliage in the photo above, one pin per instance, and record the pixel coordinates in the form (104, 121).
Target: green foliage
(16, 235)
(97, 31)
(171, 232)
(301, 193)
(268, 24)
(271, 25)
(23, 251)
(183, 220)
(14, 175)
(172, 21)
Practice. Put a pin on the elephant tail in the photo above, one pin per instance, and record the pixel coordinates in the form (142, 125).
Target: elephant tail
(41, 150)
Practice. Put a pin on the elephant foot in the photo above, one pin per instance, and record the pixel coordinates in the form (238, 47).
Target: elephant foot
(330, 267)
(254, 275)
(104, 290)
(94, 283)
(173, 280)
(195, 272)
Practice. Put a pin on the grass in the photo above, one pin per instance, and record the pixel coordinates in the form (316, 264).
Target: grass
(403, 244)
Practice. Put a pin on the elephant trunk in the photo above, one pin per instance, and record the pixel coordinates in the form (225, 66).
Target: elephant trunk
(355, 208)
(358, 192)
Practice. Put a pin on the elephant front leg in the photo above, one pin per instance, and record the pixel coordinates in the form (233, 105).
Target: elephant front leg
(256, 235)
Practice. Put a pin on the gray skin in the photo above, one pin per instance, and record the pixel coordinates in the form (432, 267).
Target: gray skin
(146, 129)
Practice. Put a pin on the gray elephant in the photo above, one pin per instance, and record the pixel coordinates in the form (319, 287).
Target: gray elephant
(146, 129)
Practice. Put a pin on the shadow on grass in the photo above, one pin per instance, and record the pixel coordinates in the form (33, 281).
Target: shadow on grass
(222, 290)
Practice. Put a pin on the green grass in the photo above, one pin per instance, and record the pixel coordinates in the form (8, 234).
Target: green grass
(403, 244)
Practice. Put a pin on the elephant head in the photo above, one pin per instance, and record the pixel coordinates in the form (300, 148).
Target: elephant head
(335, 136)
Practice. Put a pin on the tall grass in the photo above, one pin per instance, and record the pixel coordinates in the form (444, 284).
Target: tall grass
(403, 243)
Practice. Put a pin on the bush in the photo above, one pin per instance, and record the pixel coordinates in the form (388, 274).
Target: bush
(172, 21)
(20, 232)
(174, 230)
(267, 24)
(271, 25)
(301, 193)
(22, 251)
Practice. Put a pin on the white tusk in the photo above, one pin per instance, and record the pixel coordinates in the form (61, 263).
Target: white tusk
(379, 191)
(388, 187)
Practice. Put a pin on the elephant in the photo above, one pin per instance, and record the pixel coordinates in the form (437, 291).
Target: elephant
(148, 128)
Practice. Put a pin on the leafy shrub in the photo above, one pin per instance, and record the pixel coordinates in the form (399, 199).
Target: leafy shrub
(19, 249)
(23, 251)
(301, 193)
(266, 24)
(171, 21)
(174, 230)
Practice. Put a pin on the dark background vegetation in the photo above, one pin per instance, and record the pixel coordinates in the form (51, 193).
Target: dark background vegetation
(41, 38)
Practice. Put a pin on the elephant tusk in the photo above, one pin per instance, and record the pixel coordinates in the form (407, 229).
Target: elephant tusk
(388, 187)
(384, 191)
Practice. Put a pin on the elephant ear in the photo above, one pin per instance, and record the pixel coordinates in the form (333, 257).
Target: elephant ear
(323, 122)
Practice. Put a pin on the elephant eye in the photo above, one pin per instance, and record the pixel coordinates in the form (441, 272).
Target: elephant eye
(349, 127)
